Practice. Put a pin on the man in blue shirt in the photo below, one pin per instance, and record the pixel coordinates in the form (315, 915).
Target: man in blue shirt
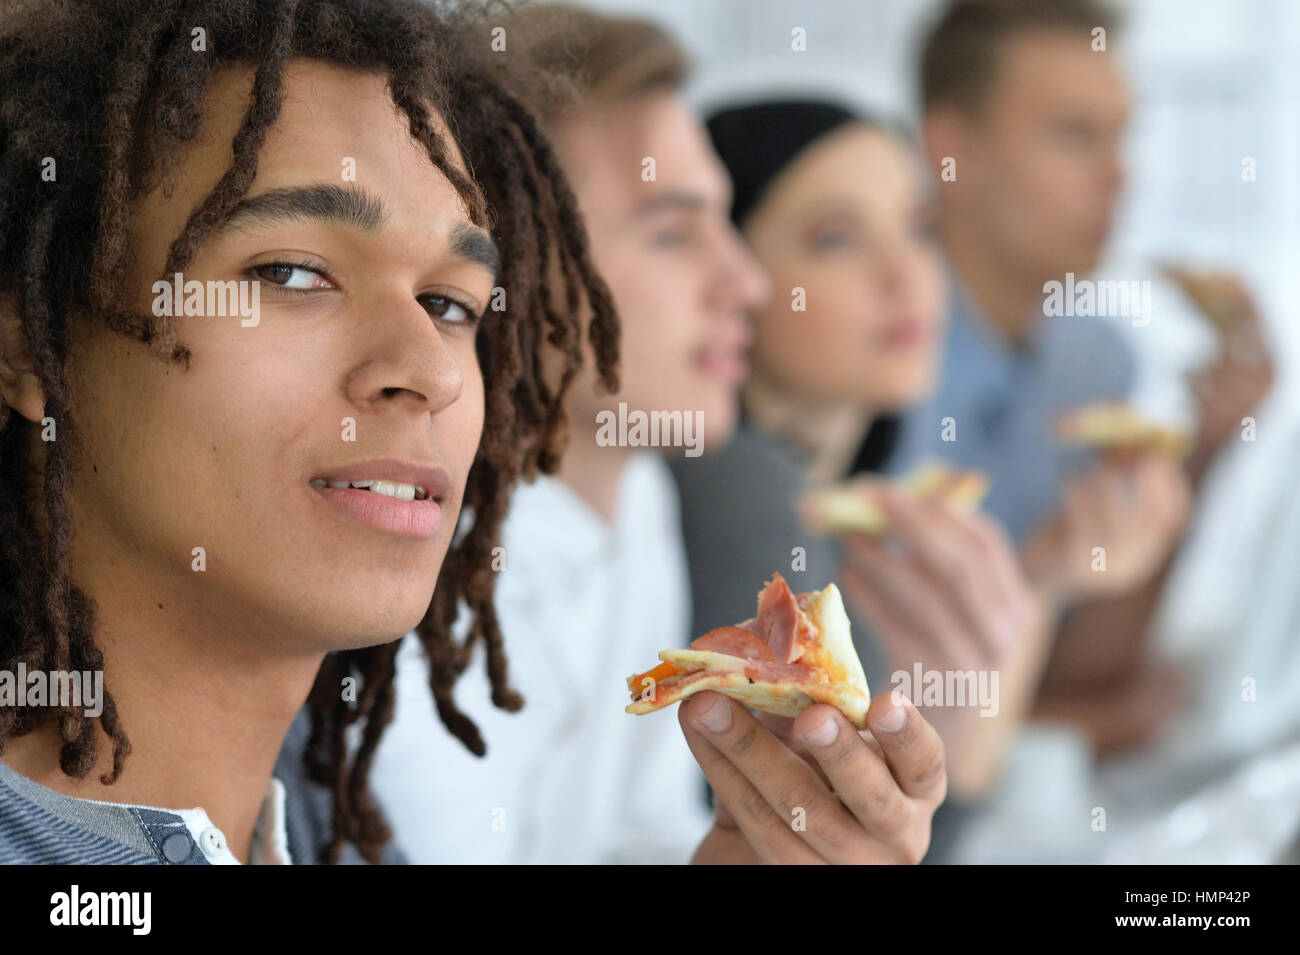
(1023, 112)
(998, 402)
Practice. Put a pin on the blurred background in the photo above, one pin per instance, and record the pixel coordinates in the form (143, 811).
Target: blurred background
(1217, 87)
(1215, 82)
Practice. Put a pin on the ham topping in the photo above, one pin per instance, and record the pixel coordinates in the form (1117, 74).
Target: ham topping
(778, 619)
(763, 672)
(734, 642)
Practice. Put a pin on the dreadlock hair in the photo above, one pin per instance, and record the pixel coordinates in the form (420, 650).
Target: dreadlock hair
(113, 90)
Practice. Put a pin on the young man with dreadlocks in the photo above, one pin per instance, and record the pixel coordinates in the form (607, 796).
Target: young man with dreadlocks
(179, 499)
(594, 578)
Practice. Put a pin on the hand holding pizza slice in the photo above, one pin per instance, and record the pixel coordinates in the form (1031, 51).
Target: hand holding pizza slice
(817, 789)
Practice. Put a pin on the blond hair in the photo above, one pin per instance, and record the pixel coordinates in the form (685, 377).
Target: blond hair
(563, 59)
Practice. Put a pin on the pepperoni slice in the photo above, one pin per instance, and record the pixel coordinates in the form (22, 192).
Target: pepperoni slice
(734, 642)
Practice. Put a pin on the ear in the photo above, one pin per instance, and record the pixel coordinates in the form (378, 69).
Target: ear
(20, 385)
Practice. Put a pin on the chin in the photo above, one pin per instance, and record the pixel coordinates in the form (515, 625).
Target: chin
(720, 422)
(1081, 261)
(717, 438)
(369, 632)
(899, 389)
(715, 406)
(369, 618)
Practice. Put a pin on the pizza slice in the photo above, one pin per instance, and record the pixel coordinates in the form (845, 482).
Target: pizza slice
(1114, 426)
(853, 507)
(796, 651)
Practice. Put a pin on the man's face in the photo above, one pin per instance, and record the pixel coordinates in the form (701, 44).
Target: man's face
(681, 277)
(1039, 165)
(361, 366)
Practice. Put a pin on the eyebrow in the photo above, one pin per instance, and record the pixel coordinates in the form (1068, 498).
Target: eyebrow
(670, 201)
(355, 208)
(834, 206)
(472, 244)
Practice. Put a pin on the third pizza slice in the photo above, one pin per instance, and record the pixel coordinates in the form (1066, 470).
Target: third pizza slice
(1114, 426)
(853, 506)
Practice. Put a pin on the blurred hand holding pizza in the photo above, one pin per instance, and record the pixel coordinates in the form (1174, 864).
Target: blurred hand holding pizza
(1243, 373)
(1133, 505)
(941, 587)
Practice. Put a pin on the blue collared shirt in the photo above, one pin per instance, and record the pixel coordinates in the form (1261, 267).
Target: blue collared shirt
(41, 826)
(1003, 400)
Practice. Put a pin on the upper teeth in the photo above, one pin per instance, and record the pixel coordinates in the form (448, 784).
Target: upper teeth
(403, 492)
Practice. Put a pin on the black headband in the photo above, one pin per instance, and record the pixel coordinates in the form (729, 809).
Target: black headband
(757, 141)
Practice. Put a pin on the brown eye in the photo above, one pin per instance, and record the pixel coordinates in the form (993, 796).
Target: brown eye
(448, 310)
(669, 239)
(290, 276)
(831, 240)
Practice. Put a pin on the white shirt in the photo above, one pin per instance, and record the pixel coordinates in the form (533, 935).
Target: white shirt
(571, 778)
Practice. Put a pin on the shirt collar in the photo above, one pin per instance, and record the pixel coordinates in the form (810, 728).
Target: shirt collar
(270, 844)
(548, 510)
(576, 537)
(982, 363)
(176, 836)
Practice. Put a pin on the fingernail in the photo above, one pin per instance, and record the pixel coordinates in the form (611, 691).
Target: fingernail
(716, 718)
(896, 718)
(825, 734)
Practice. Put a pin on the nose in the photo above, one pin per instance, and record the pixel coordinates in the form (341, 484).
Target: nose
(896, 266)
(742, 284)
(905, 274)
(404, 358)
